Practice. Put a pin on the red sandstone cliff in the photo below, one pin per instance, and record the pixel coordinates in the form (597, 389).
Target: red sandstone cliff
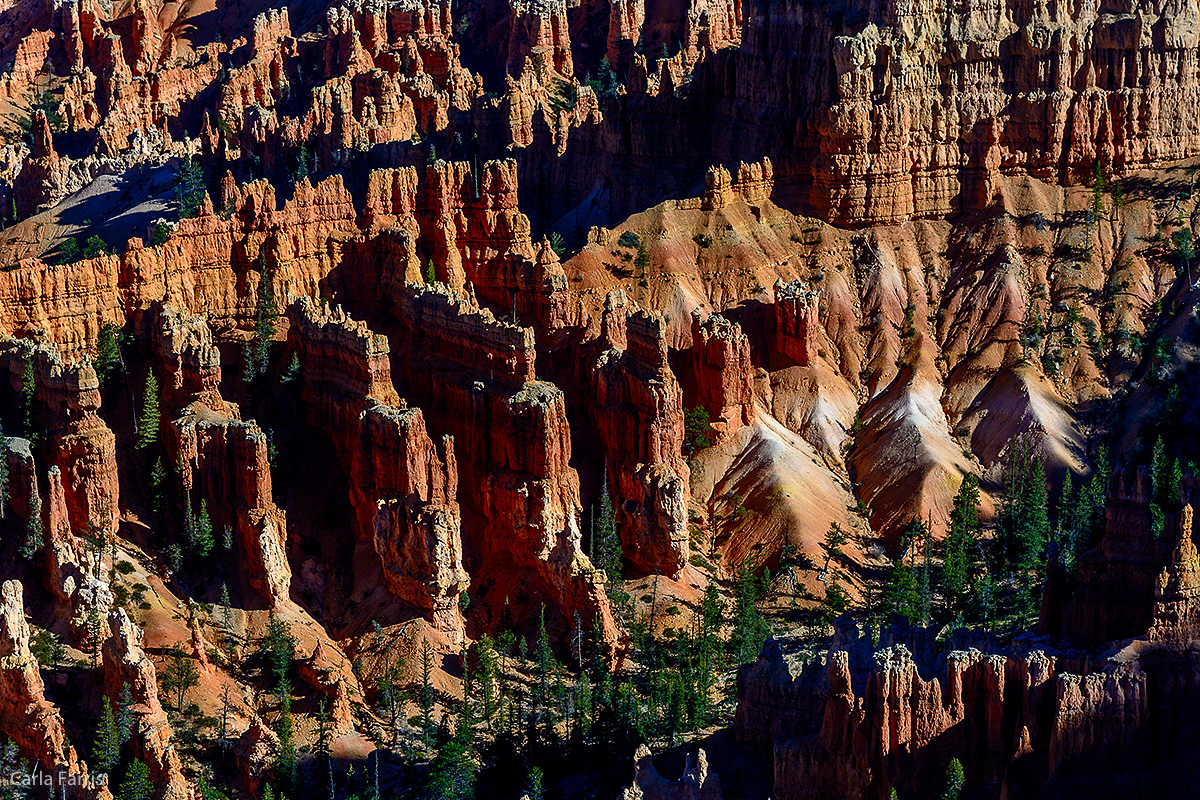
(403, 487)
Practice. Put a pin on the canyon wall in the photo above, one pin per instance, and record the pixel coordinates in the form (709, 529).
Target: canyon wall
(403, 487)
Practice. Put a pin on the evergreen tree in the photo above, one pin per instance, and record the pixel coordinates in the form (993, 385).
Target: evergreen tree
(125, 715)
(3, 472)
(189, 192)
(106, 749)
(954, 780)
(203, 542)
(28, 394)
(1024, 519)
(487, 661)
(430, 273)
(642, 260)
(901, 592)
(149, 420)
(108, 353)
(137, 785)
(180, 677)
(960, 560)
(34, 531)
(750, 630)
(607, 546)
(258, 349)
(426, 692)
(545, 665)
(452, 773)
(697, 431)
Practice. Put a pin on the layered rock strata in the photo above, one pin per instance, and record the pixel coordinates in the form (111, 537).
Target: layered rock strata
(476, 378)
(222, 459)
(28, 718)
(126, 664)
(638, 413)
(403, 487)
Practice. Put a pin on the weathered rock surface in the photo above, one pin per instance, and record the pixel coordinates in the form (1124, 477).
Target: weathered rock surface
(638, 412)
(403, 487)
(30, 720)
(125, 663)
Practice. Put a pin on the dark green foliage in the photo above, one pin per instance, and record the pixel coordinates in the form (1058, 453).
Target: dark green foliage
(3, 472)
(452, 773)
(901, 593)
(1024, 522)
(258, 349)
(533, 784)
(292, 372)
(11, 763)
(28, 395)
(606, 546)
(954, 780)
(46, 648)
(148, 421)
(107, 747)
(696, 431)
(426, 699)
(629, 239)
(430, 273)
(158, 480)
(189, 191)
(108, 353)
(961, 560)
(160, 234)
(34, 533)
(605, 83)
(750, 630)
(1096, 208)
(642, 260)
(557, 244)
(137, 785)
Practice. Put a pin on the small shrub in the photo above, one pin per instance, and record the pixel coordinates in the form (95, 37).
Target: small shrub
(629, 239)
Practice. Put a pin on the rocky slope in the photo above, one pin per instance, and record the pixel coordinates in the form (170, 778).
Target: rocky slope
(423, 283)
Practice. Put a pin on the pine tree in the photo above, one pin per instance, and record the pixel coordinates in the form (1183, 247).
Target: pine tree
(426, 692)
(258, 349)
(607, 544)
(28, 394)
(3, 472)
(189, 192)
(488, 661)
(106, 749)
(137, 785)
(125, 715)
(750, 630)
(954, 780)
(961, 549)
(108, 353)
(148, 422)
(180, 677)
(34, 531)
(533, 784)
(430, 273)
(901, 593)
(545, 664)
(203, 540)
(452, 773)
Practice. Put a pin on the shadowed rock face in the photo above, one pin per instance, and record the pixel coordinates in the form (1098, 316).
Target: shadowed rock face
(874, 244)
(28, 718)
(1038, 716)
